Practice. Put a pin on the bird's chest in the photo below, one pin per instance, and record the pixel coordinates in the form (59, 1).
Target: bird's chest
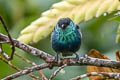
(65, 38)
(66, 41)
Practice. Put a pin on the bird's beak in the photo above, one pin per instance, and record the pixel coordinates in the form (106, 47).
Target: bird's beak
(63, 26)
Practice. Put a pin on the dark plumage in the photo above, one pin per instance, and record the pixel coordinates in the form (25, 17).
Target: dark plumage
(66, 37)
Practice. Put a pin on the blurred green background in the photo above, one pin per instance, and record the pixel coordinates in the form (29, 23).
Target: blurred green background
(97, 33)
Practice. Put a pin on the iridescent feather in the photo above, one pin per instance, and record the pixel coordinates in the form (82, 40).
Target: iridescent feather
(66, 37)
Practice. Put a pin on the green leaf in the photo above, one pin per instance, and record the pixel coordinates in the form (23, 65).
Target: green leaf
(116, 18)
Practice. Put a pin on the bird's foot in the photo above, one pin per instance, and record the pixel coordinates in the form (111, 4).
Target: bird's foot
(77, 56)
(56, 58)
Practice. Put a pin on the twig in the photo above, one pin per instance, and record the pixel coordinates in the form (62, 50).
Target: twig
(32, 63)
(43, 76)
(27, 48)
(26, 60)
(11, 42)
(57, 71)
(10, 64)
(107, 75)
(69, 62)
(16, 68)
(26, 71)
(34, 77)
(85, 60)
(3, 53)
(3, 42)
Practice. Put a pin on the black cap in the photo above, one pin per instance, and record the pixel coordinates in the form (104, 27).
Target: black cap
(64, 22)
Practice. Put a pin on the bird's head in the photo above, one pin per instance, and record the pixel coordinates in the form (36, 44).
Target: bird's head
(64, 22)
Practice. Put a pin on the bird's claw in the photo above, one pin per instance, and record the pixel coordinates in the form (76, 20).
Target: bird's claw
(56, 58)
(77, 57)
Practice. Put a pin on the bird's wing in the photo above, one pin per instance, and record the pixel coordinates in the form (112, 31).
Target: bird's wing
(79, 30)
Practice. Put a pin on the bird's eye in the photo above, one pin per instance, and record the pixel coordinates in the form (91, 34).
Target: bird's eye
(67, 22)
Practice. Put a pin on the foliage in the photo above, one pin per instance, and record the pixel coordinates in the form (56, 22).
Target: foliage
(98, 33)
(77, 10)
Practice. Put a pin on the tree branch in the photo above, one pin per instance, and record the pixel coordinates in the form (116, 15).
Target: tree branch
(11, 41)
(107, 75)
(27, 48)
(32, 63)
(26, 71)
(85, 60)
(16, 68)
(57, 71)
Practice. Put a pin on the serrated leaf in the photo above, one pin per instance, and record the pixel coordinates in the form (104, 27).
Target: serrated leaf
(77, 10)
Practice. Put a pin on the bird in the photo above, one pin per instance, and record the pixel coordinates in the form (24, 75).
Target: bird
(66, 38)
